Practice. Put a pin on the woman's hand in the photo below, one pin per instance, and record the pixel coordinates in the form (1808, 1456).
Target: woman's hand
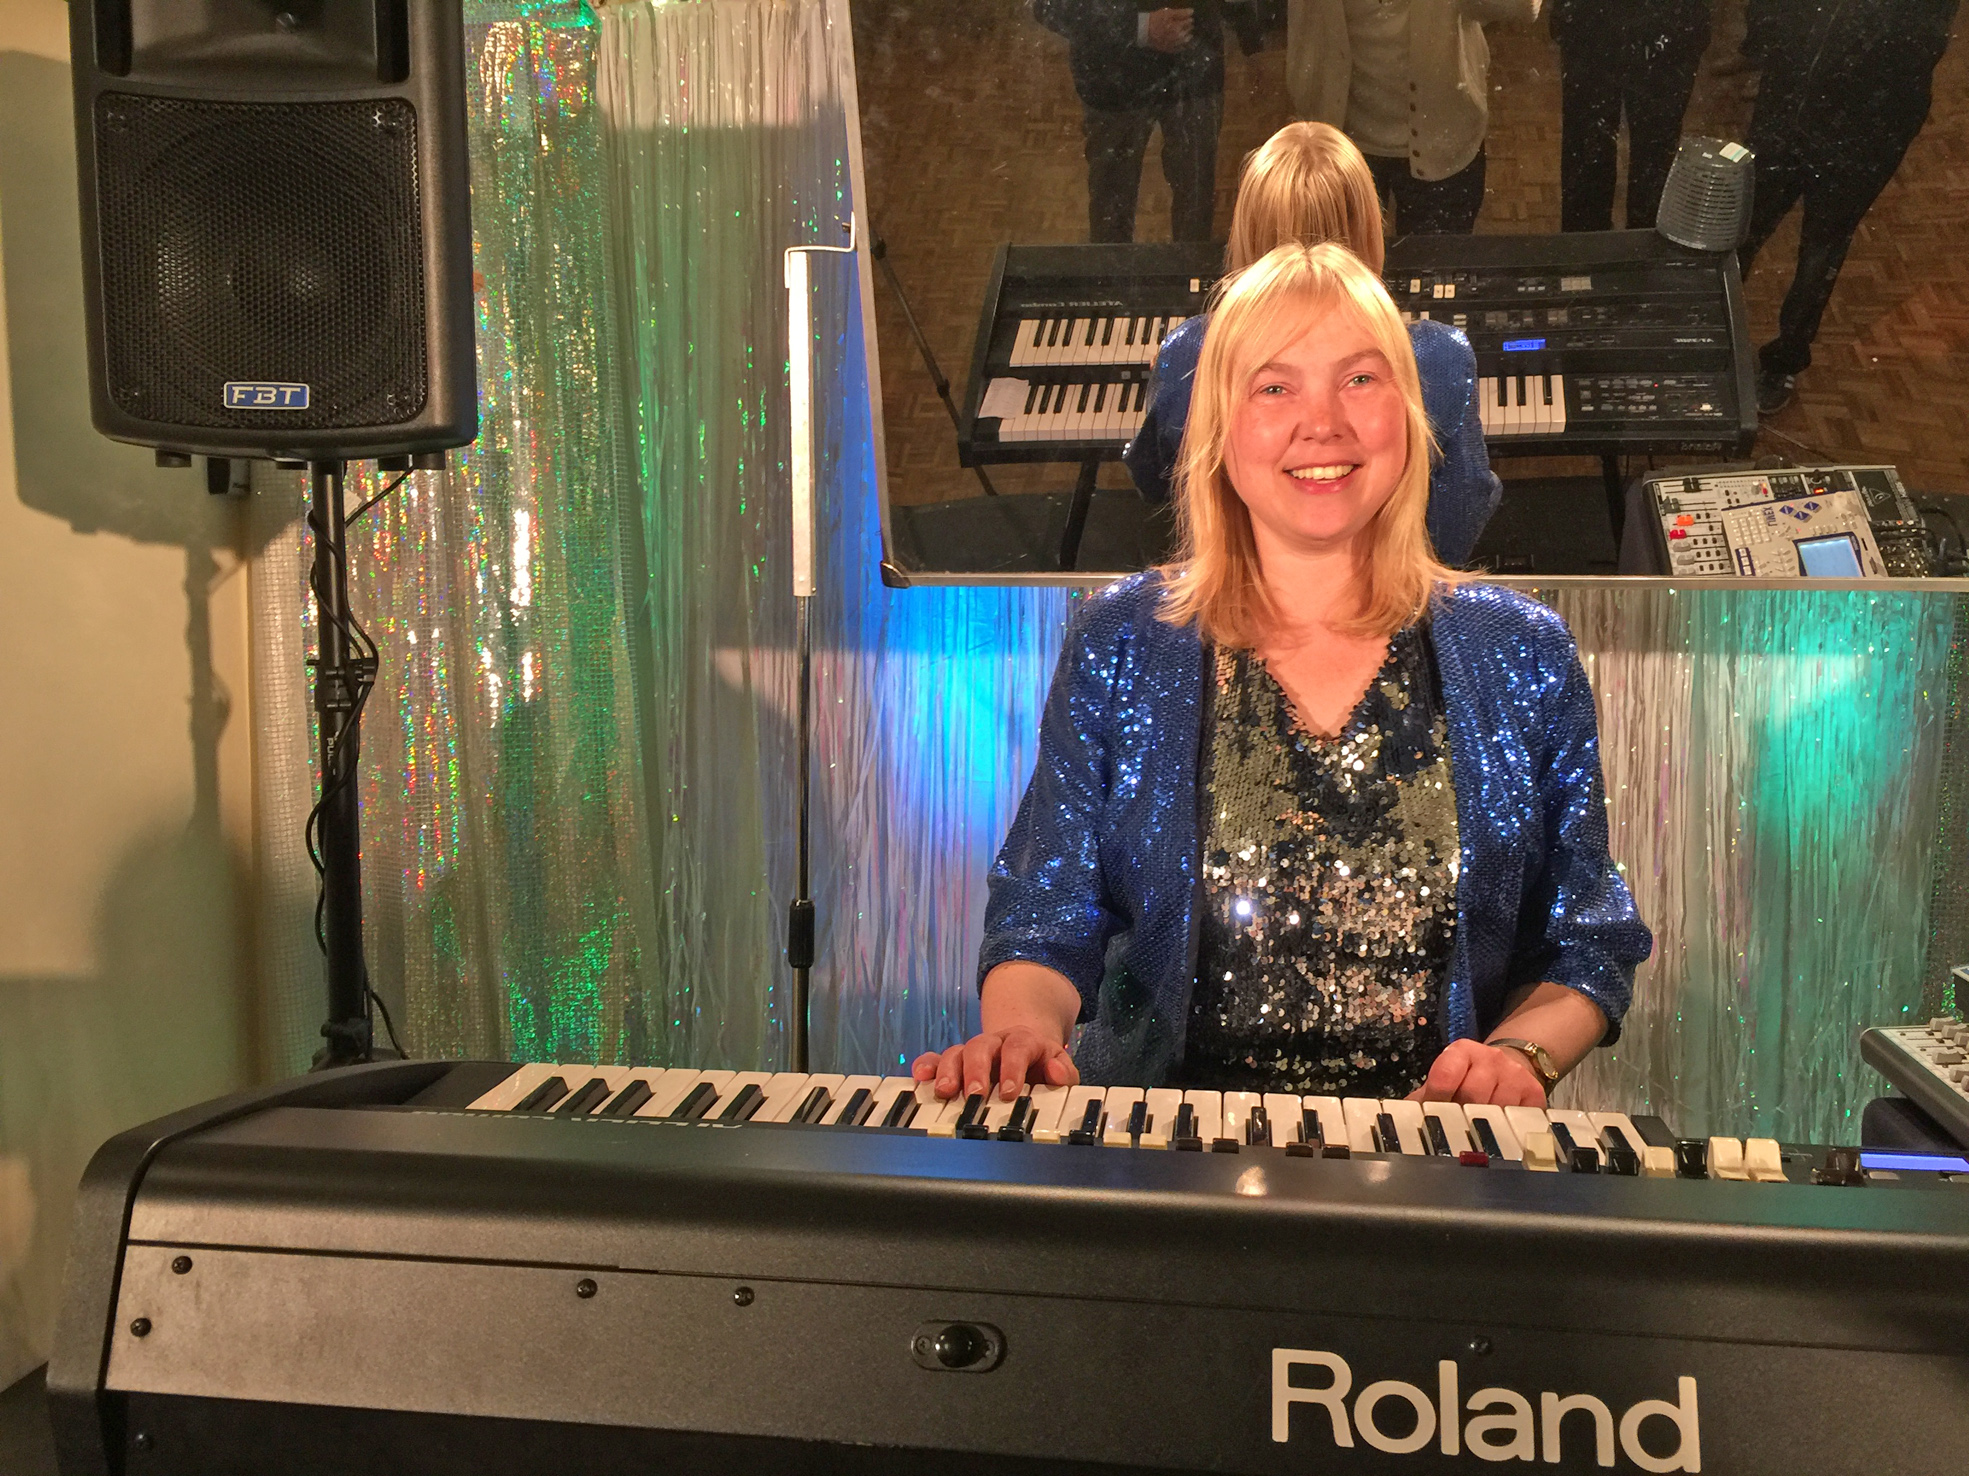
(1007, 1057)
(1026, 1011)
(1470, 1071)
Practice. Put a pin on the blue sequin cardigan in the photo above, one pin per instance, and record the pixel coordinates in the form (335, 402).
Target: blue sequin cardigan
(1099, 877)
(1463, 490)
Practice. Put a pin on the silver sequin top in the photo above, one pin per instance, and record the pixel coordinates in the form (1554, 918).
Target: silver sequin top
(1329, 881)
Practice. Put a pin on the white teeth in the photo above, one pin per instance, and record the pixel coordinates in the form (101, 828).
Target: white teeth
(1320, 473)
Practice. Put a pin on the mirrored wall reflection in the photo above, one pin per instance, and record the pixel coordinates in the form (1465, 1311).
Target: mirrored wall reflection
(1023, 157)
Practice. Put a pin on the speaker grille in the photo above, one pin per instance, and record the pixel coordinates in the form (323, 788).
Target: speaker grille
(261, 242)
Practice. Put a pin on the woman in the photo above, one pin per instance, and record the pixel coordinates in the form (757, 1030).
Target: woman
(1309, 183)
(1309, 813)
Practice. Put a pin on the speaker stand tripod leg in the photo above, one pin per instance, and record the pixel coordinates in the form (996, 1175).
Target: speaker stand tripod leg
(341, 675)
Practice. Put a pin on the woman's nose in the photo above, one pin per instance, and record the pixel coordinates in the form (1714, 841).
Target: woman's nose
(1320, 415)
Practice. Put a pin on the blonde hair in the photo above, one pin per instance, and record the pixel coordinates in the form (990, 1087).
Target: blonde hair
(1216, 580)
(1306, 183)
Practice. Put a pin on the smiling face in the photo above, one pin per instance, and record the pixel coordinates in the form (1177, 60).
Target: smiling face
(1318, 438)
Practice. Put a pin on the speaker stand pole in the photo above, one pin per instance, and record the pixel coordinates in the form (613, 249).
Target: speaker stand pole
(341, 676)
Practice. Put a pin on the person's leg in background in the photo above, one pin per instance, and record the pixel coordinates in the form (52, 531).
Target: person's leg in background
(1669, 38)
(1590, 37)
(1116, 142)
(1189, 162)
(1837, 199)
(1430, 207)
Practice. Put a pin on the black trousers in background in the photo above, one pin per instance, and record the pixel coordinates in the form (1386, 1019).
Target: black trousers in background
(1639, 56)
(1430, 207)
(1837, 197)
(1117, 141)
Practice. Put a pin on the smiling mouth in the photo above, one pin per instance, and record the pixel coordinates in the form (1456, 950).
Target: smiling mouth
(1322, 473)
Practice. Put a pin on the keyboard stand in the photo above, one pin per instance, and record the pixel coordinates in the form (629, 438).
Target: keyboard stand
(1083, 499)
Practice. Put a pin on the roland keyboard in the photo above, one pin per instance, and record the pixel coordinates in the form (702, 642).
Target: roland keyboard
(441, 1267)
(1601, 343)
(1066, 345)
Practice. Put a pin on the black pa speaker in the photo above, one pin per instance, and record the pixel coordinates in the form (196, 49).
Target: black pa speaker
(276, 225)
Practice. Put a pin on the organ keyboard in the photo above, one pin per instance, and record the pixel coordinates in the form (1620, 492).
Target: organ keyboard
(1067, 338)
(1601, 342)
(452, 1267)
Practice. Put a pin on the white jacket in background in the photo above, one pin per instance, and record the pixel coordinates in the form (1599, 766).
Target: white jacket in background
(1448, 61)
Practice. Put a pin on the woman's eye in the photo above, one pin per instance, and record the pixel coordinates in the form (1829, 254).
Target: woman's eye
(1362, 378)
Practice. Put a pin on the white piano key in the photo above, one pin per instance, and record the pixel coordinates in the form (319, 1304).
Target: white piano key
(1558, 403)
(675, 1089)
(1024, 345)
(1360, 1113)
(1073, 343)
(1527, 1120)
(1540, 394)
(516, 1088)
(1500, 1126)
(1658, 1162)
(1487, 415)
(1726, 1159)
(1048, 1102)
(1763, 1160)
(783, 1107)
(1237, 1113)
(1283, 1108)
(942, 1122)
(1541, 1153)
(1409, 1128)
(1120, 1101)
(785, 1091)
(1582, 1130)
(1456, 1127)
(998, 1111)
(1514, 406)
(1163, 1104)
(1208, 1109)
(1332, 1118)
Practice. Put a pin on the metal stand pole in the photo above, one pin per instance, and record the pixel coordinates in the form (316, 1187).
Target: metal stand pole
(339, 679)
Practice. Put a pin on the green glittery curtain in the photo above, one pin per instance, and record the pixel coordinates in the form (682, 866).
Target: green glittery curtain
(506, 866)
(1773, 759)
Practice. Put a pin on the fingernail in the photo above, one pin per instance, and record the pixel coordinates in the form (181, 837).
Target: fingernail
(975, 1089)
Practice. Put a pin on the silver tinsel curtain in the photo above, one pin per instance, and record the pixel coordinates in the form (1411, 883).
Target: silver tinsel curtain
(579, 765)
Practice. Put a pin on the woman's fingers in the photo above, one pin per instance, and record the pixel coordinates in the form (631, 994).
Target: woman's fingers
(925, 1066)
(1060, 1070)
(1445, 1078)
(981, 1062)
(950, 1070)
(1019, 1053)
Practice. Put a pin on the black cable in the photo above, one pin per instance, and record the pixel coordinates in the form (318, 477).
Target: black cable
(389, 1025)
(365, 507)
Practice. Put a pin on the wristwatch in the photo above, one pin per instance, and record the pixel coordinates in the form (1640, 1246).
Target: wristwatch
(1542, 1064)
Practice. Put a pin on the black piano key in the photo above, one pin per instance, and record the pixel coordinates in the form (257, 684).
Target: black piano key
(1502, 398)
(1223, 1145)
(1438, 1137)
(543, 1096)
(1518, 388)
(1089, 1131)
(591, 1095)
(1486, 1137)
(697, 1101)
(1258, 1128)
(1138, 1119)
(815, 1107)
(1692, 1158)
(1623, 1161)
(627, 1100)
(1309, 1128)
(1131, 333)
(1038, 333)
(1100, 397)
(1085, 391)
(856, 1109)
(902, 1111)
(1562, 1135)
(1032, 393)
(1617, 1142)
(1014, 1130)
(1545, 382)
(751, 1097)
(1391, 1138)
(1052, 332)
(1107, 332)
(1092, 324)
(1583, 1159)
(974, 1110)
(1185, 1136)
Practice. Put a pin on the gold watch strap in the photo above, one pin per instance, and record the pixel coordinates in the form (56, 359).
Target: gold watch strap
(1542, 1065)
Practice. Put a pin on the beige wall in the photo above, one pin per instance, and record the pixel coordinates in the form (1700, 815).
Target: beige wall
(124, 741)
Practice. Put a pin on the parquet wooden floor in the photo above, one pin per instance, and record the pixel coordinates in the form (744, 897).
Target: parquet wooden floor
(971, 133)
